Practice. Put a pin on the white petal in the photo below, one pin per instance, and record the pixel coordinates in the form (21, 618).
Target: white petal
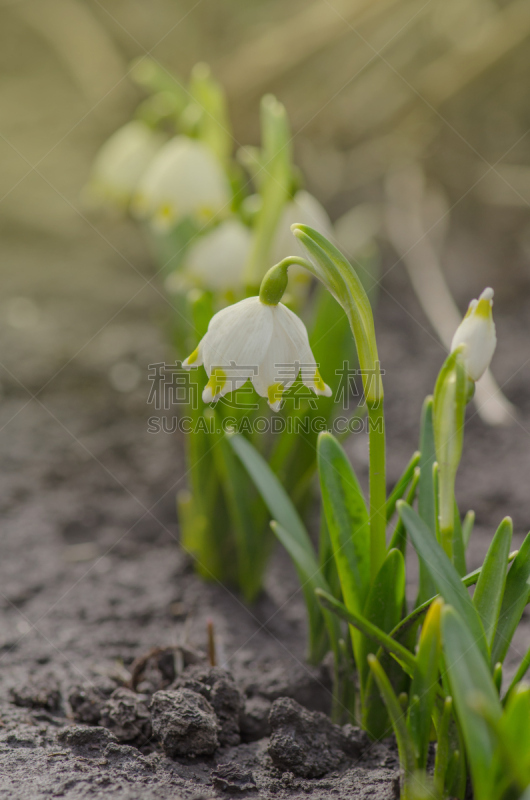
(295, 329)
(279, 367)
(218, 259)
(476, 335)
(238, 338)
(122, 160)
(184, 179)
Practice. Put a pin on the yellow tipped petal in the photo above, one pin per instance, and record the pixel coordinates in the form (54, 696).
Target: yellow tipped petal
(319, 387)
(215, 385)
(274, 395)
(191, 360)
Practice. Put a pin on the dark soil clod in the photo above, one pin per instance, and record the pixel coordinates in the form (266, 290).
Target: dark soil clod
(233, 778)
(82, 738)
(254, 719)
(185, 723)
(39, 693)
(86, 702)
(219, 688)
(307, 743)
(126, 715)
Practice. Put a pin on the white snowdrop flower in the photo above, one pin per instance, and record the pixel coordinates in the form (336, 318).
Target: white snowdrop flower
(121, 162)
(218, 259)
(184, 180)
(267, 344)
(476, 335)
(306, 210)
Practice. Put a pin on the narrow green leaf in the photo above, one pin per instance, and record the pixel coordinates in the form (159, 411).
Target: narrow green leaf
(467, 527)
(443, 574)
(293, 532)
(274, 495)
(426, 494)
(251, 550)
(459, 551)
(398, 540)
(522, 669)
(401, 486)
(347, 519)
(402, 655)
(468, 678)
(490, 585)
(383, 608)
(450, 396)
(515, 598)
(441, 762)
(311, 578)
(425, 681)
(404, 742)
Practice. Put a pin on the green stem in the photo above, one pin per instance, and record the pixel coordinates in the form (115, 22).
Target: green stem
(376, 430)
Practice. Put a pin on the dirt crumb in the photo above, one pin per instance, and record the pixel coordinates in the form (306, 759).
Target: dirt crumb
(185, 723)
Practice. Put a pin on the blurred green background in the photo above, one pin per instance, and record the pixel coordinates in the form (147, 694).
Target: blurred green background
(369, 85)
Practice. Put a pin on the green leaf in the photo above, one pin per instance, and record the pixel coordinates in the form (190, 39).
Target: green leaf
(401, 486)
(469, 678)
(426, 495)
(398, 540)
(293, 532)
(311, 578)
(441, 762)
(467, 527)
(513, 603)
(459, 551)
(443, 574)
(347, 520)
(450, 396)
(405, 745)
(490, 585)
(383, 608)
(252, 545)
(425, 681)
(514, 732)
(402, 655)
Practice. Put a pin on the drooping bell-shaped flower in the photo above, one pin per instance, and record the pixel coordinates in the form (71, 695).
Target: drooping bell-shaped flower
(121, 162)
(218, 258)
(252, 340)
(184, 180)
(476, 336)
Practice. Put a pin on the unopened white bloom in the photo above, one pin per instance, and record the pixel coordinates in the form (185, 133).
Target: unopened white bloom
(306, 210)
(476, 335)
(218, 259)
(121, 162)
(267, 344)
(184, 180)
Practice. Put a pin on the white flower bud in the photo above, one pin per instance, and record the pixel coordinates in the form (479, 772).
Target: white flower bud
(121, 162)
(476, 335)
(184, 180)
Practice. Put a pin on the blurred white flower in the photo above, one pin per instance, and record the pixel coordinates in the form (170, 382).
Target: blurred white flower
(184, 180)
(267, 344)
(121, 162)
(218, 259)
(476, 335)
(305, 209)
